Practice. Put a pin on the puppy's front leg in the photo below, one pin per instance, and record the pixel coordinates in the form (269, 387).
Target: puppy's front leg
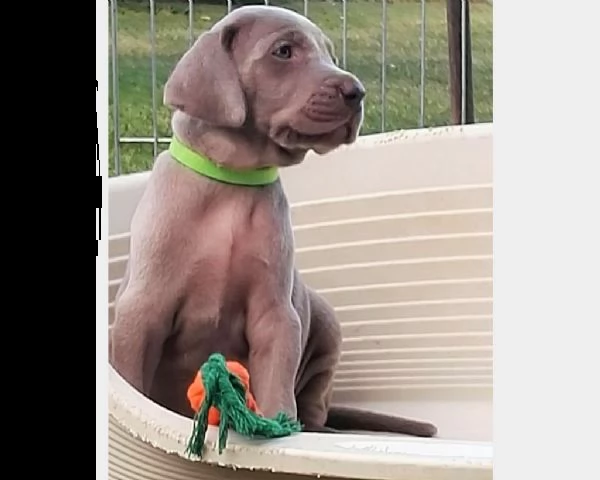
(274, 340)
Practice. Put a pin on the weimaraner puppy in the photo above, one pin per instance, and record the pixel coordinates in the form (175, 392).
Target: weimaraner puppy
(211, 267)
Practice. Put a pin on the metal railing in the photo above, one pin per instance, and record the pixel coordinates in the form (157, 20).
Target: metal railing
(155, 140)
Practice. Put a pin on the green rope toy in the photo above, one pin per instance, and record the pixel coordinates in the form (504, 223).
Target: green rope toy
(220, 395)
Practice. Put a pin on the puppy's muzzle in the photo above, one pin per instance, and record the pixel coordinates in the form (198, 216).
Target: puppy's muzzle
(337, 99)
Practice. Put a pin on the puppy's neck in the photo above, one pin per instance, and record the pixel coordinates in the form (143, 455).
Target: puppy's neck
(237, 149)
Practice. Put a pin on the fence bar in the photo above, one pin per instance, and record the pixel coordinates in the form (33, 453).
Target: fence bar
(191, 22)
(229, 5)
(459, 56)
(383, 57)
(115, 85)
(463, 62)
(267, 3)
(422, 84)
(153, 75)
(306, 8)
(344, 31)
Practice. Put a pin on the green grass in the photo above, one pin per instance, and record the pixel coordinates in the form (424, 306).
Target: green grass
(363, 58)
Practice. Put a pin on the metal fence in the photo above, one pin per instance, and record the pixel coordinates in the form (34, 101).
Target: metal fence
(153, 138)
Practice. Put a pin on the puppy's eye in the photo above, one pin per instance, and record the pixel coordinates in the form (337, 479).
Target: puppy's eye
(283, 51)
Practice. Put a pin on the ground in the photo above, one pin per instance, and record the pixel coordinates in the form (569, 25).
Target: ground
(364, 18)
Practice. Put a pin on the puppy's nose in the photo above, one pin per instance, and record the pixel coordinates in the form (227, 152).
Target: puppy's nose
(352, 91)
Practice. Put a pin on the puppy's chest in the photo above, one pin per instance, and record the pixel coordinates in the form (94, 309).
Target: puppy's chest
(228, 260)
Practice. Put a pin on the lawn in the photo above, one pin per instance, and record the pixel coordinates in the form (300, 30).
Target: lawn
(402, 106)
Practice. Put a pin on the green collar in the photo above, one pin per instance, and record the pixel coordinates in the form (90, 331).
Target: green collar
(202, 165)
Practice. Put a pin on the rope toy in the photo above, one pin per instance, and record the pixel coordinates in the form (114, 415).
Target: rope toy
(220, 395)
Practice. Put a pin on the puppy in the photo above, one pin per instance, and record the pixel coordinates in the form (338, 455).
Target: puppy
(211, 266)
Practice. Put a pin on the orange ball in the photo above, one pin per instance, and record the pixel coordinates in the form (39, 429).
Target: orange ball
(196, 394)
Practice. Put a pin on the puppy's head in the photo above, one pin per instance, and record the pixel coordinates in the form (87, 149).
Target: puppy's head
(274, 73)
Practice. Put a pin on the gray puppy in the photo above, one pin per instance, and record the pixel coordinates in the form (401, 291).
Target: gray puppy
(211, 267)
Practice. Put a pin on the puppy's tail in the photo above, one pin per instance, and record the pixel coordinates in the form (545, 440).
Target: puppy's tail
(346, 418)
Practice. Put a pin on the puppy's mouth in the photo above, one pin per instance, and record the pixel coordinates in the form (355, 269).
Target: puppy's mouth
(293, 137)
(321, 137)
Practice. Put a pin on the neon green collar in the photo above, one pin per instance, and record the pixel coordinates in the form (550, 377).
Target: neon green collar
(202, 165)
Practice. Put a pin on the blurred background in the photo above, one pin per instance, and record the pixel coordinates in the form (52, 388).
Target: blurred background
(424, 63)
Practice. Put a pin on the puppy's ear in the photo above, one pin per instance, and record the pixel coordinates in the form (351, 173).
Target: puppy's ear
(205, 83)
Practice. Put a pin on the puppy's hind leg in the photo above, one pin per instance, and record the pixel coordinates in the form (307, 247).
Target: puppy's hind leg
(314, 398)
(316, 386)
(321, 355)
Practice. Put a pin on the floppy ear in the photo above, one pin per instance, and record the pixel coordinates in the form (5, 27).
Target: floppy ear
(205, 83)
